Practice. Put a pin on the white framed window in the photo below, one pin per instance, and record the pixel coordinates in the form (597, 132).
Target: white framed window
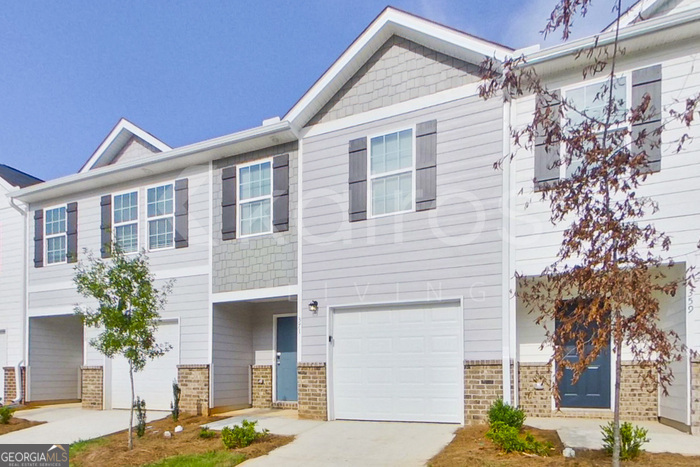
(391, 173)
(587, 99)
(55, 235)
(126, 221)
(161, 218)
(255, 198)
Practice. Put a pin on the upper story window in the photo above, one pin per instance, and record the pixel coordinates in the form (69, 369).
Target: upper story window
(255, 198)
(592, 100)
(160, 213)
(391, 173)
(56, 237)
(126, 221)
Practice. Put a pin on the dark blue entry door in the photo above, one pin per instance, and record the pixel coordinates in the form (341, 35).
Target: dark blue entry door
(592, 390)
(286, 358)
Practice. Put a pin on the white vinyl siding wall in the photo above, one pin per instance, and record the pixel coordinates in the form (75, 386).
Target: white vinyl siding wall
(453, 251)
(675, 188)
(51, 289)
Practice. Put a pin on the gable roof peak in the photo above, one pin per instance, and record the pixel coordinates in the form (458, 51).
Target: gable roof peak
(115, 141)
(391, 21)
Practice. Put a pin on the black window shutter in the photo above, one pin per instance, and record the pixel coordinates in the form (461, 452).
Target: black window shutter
(426, 165)
(39, 238)
(358, 179)
(181, 213)
(228, 203)
(648, 81)
(72, 232)
(106, 226)
(547, 159)
(280, 193)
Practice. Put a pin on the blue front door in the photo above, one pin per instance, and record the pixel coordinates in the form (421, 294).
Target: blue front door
(286, 358)
(592, 390)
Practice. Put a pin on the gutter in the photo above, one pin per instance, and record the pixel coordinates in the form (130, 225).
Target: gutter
(607, 38)
(25, 302)
(221, 144)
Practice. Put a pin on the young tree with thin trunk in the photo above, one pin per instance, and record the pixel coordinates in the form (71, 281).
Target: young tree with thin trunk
(603, 288)
(127, 312)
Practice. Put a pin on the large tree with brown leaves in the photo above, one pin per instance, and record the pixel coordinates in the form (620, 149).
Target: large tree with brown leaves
(602, 290)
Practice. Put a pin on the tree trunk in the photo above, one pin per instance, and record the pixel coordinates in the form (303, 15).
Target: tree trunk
(131, 417)
(616, 416)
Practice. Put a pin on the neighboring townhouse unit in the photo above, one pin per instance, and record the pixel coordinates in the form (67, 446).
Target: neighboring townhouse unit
(13, 241)
(356, 258)
(661, 59)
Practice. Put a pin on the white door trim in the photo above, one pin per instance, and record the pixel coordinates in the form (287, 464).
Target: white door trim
(274, 351)
(330, 310)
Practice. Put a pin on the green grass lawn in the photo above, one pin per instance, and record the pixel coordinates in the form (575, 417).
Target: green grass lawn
(209, 459)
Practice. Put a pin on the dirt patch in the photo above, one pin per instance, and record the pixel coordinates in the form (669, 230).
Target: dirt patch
(153, 446)
(470, 447)
(17, 424)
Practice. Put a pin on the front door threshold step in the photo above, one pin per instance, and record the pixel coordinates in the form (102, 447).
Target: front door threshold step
(285, 405)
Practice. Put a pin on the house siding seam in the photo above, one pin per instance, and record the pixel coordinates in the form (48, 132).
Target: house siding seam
(695, 397)
(399, 71)
(261, 261)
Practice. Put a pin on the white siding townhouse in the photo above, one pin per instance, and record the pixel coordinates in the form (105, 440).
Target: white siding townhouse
(356, 257)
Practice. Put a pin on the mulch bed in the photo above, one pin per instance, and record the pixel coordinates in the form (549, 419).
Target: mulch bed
(471, 448)
(153, 446)
(17, 424)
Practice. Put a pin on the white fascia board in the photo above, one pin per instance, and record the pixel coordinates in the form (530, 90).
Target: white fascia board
(390, 22)
(122, 126)
(255, 294)
(176, 159)
(607, 38)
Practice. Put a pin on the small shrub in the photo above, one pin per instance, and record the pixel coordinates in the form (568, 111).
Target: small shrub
(504, 413)
(240, 436)
(6, 413)
(509, 439)
(631, 439)
(140, 407)
(206, 433)
(175, 404)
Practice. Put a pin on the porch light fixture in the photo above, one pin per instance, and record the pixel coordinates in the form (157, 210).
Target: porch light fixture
(313, 307)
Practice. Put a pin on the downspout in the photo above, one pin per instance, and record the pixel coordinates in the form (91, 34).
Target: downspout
(505, 257)
(25, 300)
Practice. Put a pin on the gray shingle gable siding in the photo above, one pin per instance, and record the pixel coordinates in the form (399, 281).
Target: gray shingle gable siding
(399, 71)
(261, 261)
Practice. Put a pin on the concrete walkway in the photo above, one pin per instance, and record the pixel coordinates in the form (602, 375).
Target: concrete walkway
(586, 434)
(346, 442)
(68, 423)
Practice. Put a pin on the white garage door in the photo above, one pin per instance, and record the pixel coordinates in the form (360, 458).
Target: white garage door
(154, 383)
(399, 364)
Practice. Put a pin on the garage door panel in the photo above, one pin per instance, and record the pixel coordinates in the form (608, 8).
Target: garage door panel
(403, 364)
(154, 383)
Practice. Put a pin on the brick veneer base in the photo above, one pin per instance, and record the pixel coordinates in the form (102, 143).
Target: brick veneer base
(695, 397)
(637, 402)
(92, 387)
(312, 391)
(10, 389)
(262, 386)
(194, 387)
(483, 384)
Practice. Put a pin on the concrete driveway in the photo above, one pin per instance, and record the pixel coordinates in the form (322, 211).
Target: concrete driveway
(68, 423)
(348, 442)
